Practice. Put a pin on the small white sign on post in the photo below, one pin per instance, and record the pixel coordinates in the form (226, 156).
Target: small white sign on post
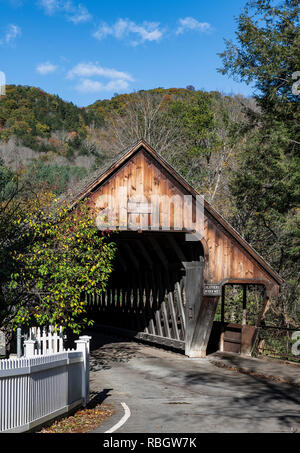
(212, 290)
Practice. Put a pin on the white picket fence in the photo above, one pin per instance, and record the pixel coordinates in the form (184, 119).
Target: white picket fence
(38, 388)
(47, 340)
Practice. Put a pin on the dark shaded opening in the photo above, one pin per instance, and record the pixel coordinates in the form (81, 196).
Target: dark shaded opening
(146, 288)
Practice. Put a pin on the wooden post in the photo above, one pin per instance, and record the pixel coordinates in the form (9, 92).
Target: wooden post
(244, 318)
(193, 289)
(223, 305)
(221, 344)
(200, 311)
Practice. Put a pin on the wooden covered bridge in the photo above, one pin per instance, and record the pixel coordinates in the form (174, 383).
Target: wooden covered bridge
(175, 256)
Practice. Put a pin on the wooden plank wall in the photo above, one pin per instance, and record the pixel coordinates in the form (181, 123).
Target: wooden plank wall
(227, 261)
(143, 177)
(145, 180)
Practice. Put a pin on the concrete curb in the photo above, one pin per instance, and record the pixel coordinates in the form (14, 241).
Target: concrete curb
(111, 421)
(257, 373)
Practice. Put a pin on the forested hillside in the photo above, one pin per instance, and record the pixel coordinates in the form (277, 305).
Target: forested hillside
(44, 136)
(55, 142)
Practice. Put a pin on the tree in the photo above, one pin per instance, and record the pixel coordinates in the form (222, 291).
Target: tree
(195, 131)
(64, 258)
(145, 116)
(12, 238)
(265, 187)
(207, 142)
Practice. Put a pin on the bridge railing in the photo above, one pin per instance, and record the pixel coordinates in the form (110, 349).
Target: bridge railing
(278, 342)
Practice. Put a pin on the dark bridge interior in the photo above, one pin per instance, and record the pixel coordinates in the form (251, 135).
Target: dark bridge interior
(146, 289)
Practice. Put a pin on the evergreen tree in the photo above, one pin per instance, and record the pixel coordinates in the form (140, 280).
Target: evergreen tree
(266, 185)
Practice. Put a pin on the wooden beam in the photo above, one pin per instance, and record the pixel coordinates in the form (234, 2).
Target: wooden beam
(200, 311)
(193, 290)
(204, 326)
(221, 343)
(173, 316)
(180, 306)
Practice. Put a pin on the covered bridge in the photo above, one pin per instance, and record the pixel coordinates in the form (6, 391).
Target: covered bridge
(175, 256)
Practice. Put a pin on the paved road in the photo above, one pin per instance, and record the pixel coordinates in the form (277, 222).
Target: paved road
(169, 393)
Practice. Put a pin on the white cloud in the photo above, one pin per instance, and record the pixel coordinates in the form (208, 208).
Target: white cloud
(46, 68)
(89, 86)
(73, 12)
(50, 6)
(189, 23)
(110, 79)
(94, 69)
(79, 14)
(94, 86)
(117, 85)
(148, 31)
(12, 32)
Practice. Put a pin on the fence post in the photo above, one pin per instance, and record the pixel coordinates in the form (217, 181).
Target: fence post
(2, 344)
(87, 339)
(29, 348)
(83, 345)
(19, 342)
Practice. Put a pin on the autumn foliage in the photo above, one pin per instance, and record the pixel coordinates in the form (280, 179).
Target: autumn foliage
(63, 259)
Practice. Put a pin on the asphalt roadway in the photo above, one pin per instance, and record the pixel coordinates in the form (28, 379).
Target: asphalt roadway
(157, 391)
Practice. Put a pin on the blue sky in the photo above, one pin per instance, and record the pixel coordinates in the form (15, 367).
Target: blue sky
(87, 50)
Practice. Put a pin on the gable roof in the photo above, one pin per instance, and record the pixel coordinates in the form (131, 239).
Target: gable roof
(98, 177)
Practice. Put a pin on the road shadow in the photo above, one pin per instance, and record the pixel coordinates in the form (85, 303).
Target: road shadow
(107, 350)
(97, 398)
(252, 400)
(257, 397)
